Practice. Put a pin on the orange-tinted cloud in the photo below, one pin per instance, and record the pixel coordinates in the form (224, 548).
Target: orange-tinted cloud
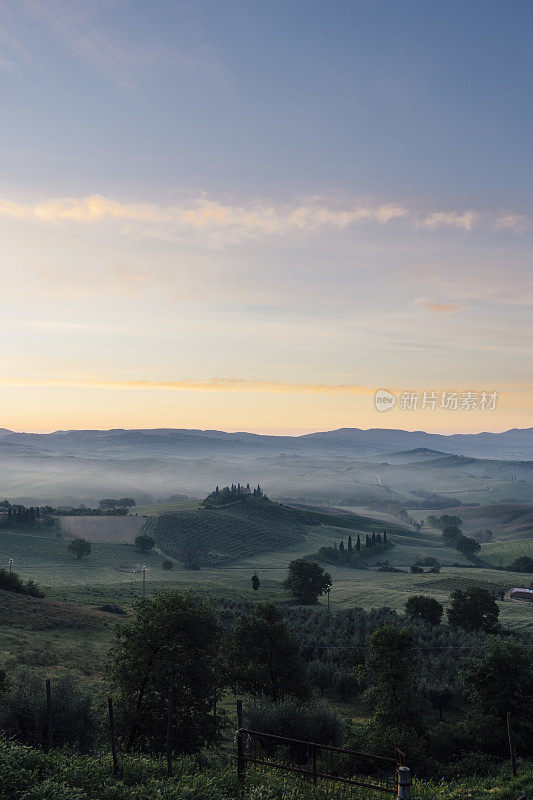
(211, 385)
(443, 308)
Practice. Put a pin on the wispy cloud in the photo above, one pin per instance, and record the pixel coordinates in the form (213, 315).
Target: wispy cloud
(513, 222)
(211, 385)
(89, 37)
(440, 308)
(439, 219)
(224, 222)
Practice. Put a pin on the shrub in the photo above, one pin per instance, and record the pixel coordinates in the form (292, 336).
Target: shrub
(79, 548)
(310, 722)
(419, 606)
(12, 582)
(144, 543)
(74, 720)
(416, 569)
(321, 675)
(111, 608)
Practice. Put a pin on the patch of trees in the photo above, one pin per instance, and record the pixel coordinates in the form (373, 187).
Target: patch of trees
(19, 516)
(434, 500)
(454, 537)
(16, 515)
(144, 543)
(466, 545)
(355, 552)
(261, 657)
(419, 606)
(111, 503)
(307, 581)
(445, 521)
(171, 644)
(473, 609)
(231, 494)
(521, 564)
(12, 582)
(79, 548)
(428, 561)
(179, 653)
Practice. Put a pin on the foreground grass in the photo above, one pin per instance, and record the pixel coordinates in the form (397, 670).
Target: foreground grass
(27, 774)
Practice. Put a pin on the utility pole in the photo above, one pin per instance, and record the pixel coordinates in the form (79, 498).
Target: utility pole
(10, 564)
(144, 581)
(328, 590)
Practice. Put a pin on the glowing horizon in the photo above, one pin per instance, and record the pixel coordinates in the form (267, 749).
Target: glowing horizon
(196, 234)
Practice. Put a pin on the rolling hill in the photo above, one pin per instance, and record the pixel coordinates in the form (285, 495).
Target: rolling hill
(214, 536)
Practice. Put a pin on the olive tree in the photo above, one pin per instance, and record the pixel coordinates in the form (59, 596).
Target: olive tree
(171, 644)
(307, 580)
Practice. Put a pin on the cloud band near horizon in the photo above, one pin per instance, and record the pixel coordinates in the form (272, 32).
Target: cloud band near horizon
(203, 215)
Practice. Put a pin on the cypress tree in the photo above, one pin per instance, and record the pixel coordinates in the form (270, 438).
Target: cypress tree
(358, 543)
(349, 544)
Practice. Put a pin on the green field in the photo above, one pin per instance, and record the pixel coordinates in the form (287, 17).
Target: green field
(95, 579)
(504, 553)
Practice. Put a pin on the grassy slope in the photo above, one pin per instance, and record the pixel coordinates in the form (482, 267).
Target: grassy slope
(510, 523)
(227, 533)
(93, 580)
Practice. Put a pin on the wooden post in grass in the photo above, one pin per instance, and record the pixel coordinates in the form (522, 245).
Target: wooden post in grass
(404, 783)
(511, 745)
(112, 734)
(241, 763)
(48, 742)
(170, 713)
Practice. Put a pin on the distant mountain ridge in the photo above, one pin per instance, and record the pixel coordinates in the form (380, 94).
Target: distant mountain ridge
(349, 466)
(512, 444)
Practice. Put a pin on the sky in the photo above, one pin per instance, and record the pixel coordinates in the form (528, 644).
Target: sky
(253, 216)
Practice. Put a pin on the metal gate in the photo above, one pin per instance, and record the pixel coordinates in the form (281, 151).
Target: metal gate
(318, 761)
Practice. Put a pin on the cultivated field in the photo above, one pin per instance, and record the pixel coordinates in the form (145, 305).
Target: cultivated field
(102, 529)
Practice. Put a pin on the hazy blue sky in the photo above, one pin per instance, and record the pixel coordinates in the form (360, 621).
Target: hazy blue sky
(252, 215)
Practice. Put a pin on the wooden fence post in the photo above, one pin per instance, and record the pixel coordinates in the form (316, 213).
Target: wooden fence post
(112, 734)
(404, 783)
(170, 712)
(241, 762)
(511, 745)
(48, 742)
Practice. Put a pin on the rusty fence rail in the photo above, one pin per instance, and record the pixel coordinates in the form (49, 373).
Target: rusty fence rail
(318, 761)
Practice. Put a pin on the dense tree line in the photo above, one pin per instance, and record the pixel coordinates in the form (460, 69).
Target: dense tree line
(354, 553)
(231, 494)
(18, 516)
